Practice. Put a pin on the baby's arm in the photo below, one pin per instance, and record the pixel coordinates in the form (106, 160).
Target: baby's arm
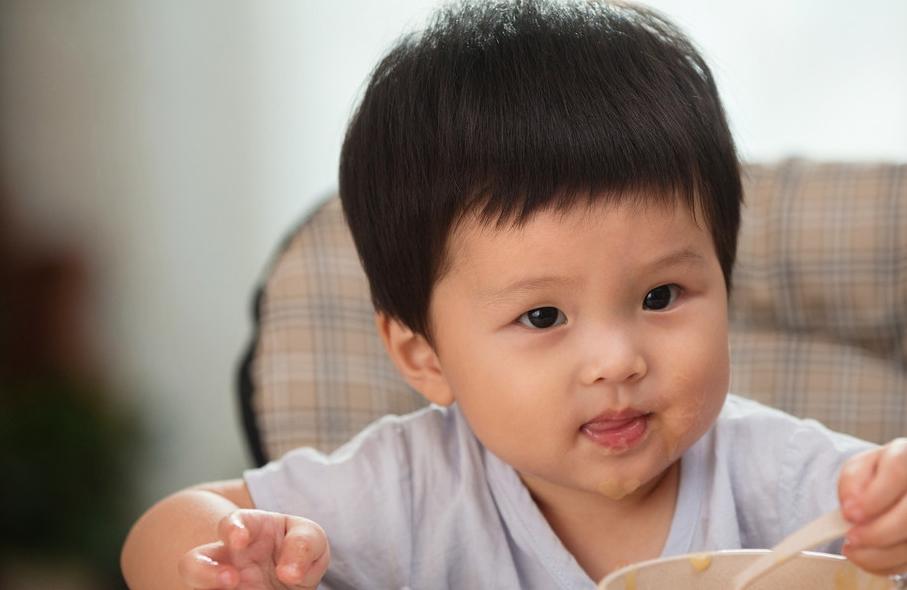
(211, 536)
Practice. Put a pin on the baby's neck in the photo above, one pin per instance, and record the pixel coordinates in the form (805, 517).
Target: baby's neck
(590, 525)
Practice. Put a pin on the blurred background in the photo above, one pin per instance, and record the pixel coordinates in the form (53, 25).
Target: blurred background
(153, 154)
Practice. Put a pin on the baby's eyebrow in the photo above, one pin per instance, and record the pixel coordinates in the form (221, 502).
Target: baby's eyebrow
(527, 285)
(682, 256)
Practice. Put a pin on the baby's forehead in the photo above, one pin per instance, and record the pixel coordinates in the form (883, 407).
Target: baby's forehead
(477, 234)
(485, 224)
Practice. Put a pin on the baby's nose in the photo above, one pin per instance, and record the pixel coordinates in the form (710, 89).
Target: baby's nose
(613, 357)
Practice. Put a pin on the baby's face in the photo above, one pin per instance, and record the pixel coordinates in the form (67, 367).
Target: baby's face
(587, 349)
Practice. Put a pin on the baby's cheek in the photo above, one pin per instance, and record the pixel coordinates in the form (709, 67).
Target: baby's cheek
(687, 418)
(674, 431)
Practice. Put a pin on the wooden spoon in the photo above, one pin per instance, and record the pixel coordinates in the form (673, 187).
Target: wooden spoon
(826, 528)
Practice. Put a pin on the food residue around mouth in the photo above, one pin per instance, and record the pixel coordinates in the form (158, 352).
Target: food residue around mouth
(617, 490)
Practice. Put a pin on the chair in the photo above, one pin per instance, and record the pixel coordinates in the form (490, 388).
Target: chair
(818, 315)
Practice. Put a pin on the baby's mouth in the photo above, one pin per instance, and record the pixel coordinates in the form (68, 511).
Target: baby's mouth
(618, 431)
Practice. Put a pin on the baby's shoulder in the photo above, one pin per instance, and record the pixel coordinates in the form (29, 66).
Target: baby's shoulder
(745, 425)
(425, 428)
(434, 436)
(743, 414)
(747, 415)
(747, 431)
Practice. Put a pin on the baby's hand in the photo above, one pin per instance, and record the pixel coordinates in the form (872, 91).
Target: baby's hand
(259, 550)
(873, 494)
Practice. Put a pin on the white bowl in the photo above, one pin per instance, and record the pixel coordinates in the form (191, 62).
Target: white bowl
(716, 570)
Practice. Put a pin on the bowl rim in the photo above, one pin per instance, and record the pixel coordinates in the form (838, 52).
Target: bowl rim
(698, 554)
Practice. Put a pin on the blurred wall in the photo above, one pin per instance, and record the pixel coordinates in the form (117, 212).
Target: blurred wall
(174, 142)
(824, 78)
(126, 134)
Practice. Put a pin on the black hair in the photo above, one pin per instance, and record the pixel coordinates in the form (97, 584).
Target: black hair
(509, 108)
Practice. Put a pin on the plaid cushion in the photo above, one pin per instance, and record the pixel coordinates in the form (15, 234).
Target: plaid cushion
(819, 308)
(818, 314)
(319, 372)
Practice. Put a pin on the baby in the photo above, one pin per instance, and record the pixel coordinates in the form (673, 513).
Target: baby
(545, 198)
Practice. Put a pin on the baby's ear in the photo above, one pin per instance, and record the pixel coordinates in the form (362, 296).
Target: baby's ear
(415, 359)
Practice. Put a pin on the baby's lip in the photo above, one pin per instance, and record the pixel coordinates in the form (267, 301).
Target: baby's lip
(618, 430)
(615, 417)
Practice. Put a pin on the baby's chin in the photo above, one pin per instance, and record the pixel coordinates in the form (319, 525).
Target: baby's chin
(617, 489)
(646, 472)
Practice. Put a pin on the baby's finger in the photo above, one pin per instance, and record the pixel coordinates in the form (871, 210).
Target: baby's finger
(886, 562)
(304, 555)
(205, 568)
(234, 529)
(884, 531)
(855, 476)
(889, 484)
(310, 578)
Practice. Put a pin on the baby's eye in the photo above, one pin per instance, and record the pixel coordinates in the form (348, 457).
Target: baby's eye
(661, 297)
(543, 317)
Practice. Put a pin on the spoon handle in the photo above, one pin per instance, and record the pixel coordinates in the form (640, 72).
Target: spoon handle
(826, 528)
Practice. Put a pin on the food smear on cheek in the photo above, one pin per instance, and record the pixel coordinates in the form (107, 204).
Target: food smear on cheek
(677, 424)
(618, 490)
(670, 441)
(668, 438)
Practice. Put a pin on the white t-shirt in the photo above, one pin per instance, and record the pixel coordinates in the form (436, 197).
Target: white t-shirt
(417, 502)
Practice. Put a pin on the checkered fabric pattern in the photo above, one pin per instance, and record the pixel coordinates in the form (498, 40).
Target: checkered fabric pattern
(319, 372)
(819, 308)
(818, 314)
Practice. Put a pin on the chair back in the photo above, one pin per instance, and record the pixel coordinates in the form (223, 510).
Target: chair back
(818, 314)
